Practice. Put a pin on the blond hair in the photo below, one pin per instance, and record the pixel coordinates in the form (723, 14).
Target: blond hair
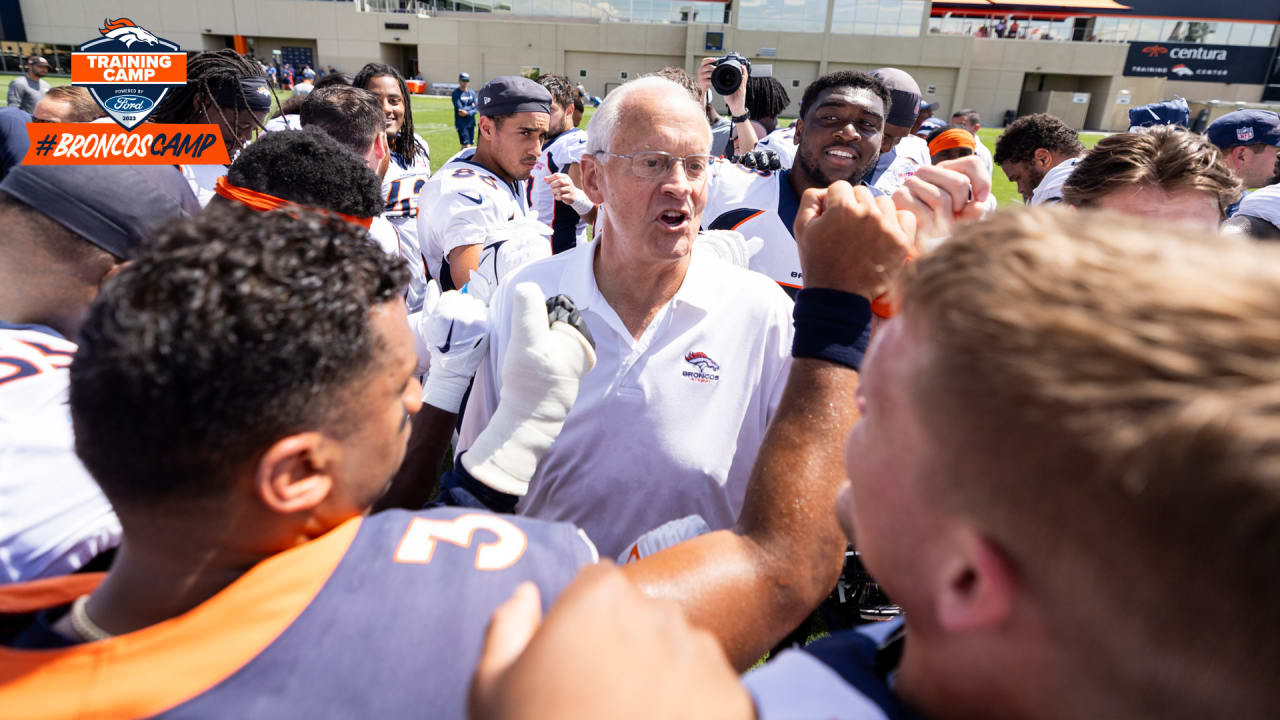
(1110, 392)
(1166, 156)
(83, 107)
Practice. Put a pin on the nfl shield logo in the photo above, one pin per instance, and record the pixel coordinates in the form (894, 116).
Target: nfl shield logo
(1244, 134)
(128, 70)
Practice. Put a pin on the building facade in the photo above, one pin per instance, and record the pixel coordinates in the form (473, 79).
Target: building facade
(1088, 60)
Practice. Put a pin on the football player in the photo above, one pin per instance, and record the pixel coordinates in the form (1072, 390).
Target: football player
(1050, 446)
(837, 137)
(273, 407)
(560, 157)
(354, 117)
(224, 88)
(479, 191)
(410, 156)
(67, 229)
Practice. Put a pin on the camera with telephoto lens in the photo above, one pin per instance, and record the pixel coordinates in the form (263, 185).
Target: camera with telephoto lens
(726, 73)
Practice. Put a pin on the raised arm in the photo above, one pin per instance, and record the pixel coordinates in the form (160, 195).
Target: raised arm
(751, 585)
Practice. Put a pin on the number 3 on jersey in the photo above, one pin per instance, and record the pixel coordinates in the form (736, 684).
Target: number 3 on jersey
(419, 542)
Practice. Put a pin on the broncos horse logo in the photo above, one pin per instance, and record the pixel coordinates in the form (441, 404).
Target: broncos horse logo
(702, 362)
(126, 32)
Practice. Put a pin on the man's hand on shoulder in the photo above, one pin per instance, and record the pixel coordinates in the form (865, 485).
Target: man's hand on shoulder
(603, 651)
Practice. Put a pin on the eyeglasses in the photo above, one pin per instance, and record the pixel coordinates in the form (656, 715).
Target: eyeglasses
(655, 163)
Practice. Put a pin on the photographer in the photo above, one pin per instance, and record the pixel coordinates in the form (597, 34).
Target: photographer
(738, 128)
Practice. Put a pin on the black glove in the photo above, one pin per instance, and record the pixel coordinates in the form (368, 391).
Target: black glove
(758, 160)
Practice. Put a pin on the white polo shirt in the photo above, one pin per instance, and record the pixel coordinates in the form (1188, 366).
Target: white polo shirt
(664, 426)
(53, 517)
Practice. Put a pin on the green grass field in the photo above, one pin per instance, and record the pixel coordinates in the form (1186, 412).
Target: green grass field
(433, 120)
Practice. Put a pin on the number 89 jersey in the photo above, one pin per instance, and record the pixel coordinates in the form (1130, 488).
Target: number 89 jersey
(460, 205)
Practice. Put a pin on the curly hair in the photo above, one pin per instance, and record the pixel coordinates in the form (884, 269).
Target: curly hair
(206, 70)
(404, 144)
(843, 78)
(766, 97)
(1028, 133)
(562, 92)
(1167, 156)
(309, 168)
(225, 333)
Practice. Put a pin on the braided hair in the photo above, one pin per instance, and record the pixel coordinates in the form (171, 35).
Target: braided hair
(205, 69)
(766, 97)
(404, 144)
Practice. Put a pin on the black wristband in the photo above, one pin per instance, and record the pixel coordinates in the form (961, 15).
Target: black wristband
(831, 325)
(745, 116)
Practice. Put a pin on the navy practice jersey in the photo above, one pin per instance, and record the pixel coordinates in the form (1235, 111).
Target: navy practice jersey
(845, 676)
(381, 617)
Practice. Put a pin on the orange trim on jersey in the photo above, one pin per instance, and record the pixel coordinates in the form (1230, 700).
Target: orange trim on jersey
(157, 668)
(264, 202)
(745, 219)
(793, 287)
(36, 595)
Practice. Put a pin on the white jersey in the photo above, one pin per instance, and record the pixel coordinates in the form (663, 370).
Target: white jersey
(567, 227)
(1050, 188)
(981, 151)
(759, 203)
(396, 242)
(53, 517)
(202, 179)
(400, 188)
(782, 142)
(892, 169)
(403, 183)
(459, 206)
(283, 122)
(1263, 203)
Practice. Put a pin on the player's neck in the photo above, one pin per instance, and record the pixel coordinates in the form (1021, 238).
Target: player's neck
(487, 161)
(148, 585)
(59, 311)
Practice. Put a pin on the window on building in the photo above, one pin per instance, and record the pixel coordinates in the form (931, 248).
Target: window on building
(899, 18)
(783, 15)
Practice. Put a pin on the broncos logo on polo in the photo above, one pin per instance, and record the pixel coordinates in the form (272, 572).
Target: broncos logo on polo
(125, 31)
(702, 362)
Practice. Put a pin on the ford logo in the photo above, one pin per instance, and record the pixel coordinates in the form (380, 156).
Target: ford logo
(129, 103)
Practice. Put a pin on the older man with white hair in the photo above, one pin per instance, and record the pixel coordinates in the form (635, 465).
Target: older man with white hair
(693, 352)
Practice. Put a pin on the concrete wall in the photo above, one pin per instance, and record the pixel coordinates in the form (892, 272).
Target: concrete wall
(987, 74)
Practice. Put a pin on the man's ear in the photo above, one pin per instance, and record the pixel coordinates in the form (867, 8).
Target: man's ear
(485, 126)
(1042, 158)
(795, 136)
(978, 585)
(380, 147)
(592, 179)
(294, 474)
